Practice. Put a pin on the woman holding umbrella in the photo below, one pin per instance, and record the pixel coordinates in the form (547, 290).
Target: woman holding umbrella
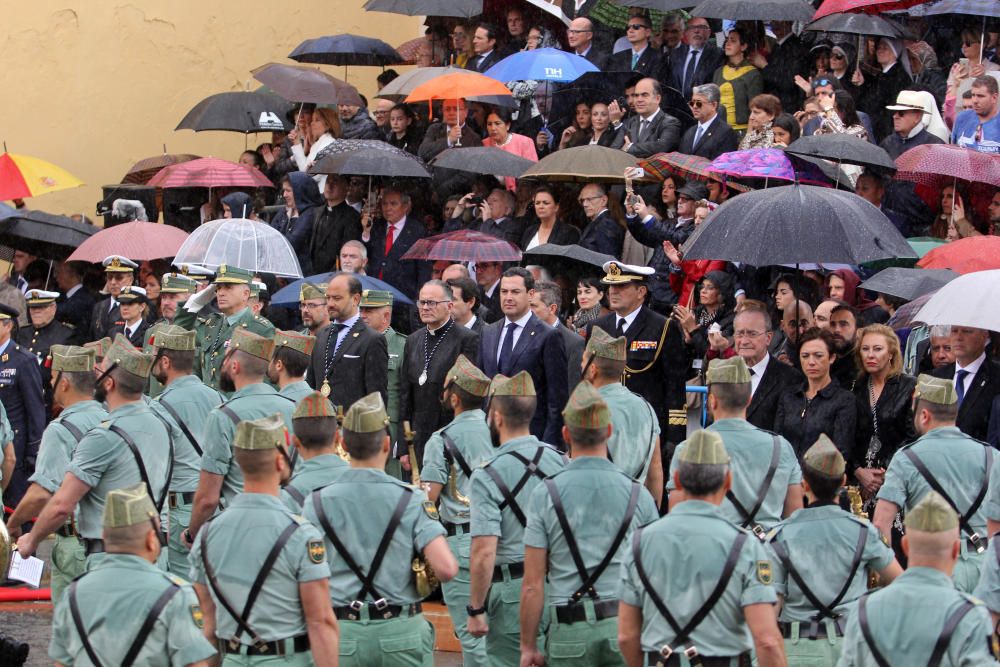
(548, 229)
(738, 80)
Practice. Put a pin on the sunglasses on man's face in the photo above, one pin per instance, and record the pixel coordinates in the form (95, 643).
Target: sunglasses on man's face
(696, 104)
(637, 26)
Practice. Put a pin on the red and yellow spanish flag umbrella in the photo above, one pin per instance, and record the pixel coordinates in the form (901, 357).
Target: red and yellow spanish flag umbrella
(24, 176)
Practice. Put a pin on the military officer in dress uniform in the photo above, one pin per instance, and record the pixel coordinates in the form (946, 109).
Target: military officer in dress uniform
(125, 611)
(695, 587)
(312, 307)
(450, 456)
(634, 445)
(132, 306)
(945, 460)
(821, 557)
(373, 525)
(73, 391)
(131, 446)
(231, 289)
(243, 370)
(44, 332)
(922, 618)
(271, 604)
(174, 290)
(498, 494)
(767, 481)
(119, 272)
(316, 436)
(581, 556)
(376, 311)
(22, 397)
(287, 370)
(184, 403)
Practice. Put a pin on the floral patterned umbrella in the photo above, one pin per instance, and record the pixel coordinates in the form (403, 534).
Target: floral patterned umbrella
(767, 163)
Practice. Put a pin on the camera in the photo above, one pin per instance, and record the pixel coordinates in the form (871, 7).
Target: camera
(476, 200)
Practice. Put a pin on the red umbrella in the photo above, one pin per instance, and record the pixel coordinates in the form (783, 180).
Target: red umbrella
(464, 246)
(868, 6)
(136, 240)
(209, 172)
(974, 253)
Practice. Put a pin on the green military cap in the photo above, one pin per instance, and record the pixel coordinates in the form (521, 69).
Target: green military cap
(933, 514)
(467, 376)
(602, 345)
(232, 275)
(292, 339)
(197, 272)
(309, 291)
(101, 347)
(519, 385)
(172, 337)
(176, 283)
(118, 264)
(824, 458)
(71, 359)
(264, 433)
(314, 405)
(586, 408)
(367, 415)
(704, 447)
(727, 371)
(128, 358)
(253, 344)
(256, 287)
(375, 298)
(132, 294)
(935, 390)
(37, 298)
(128, 507)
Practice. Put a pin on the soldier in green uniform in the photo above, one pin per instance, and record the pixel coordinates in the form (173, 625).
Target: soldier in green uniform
(124, 610)
(696, 589)
(174, 290)
(945, 460)
(450, 456)
(185, 404)
(634, 445)
(7, 455)
(242, 373)
(580, 554)
(376, 312)
(314, 423)
(821, 557)
(373, 526)
(73, 390)
(258, 297)
(312, 307)
(287, 370)
(922, 618)
(260, 571)
(767, 480)
(131, 446)
(498, 494)
(231, 289)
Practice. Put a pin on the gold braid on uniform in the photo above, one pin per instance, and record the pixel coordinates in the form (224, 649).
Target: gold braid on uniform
(674, 417)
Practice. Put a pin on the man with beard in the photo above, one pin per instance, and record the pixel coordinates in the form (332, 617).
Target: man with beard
(243, 370)
(288, 365)
(174, 290)
(119, 272)
(312, 308)
(844, 327)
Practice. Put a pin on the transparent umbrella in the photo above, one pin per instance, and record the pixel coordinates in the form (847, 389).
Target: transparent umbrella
(247, 244)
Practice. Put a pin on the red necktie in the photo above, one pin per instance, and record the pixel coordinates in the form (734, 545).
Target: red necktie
(389, 232)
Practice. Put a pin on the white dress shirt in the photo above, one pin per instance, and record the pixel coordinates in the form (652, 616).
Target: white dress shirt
(521, 323)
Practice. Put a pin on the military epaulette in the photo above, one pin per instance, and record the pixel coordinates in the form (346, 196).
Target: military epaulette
(677, 417)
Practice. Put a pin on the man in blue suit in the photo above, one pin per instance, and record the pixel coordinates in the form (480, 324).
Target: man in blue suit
(522, 342)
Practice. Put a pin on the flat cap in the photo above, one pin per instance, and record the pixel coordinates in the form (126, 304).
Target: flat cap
(932, 514)
(132, 294)
(704, 447)
(8, 312)
(824, 458)
(294, 340)
(727, 371)
(176, 283)
(367, 415)
(602, 345)
(172, 337)
(71, 359)
(118, 264)
(264, 433)
(468, 376)
(101, 347)
(935, 390)
(519, 385)
(314, 404)
(128, 358)
(128, 507)
(36, 298)
(619, 273)
(309, 291)
(375, 298)
(232, 275)
(253, 344)
(586, 408)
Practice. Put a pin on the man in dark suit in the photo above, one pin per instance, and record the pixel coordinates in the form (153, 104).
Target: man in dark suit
(977, 379)
(580, 36)
(651, 130)
(488, 277)
(602, 233)
(769, 378)
(387, 241)
(788, 58)
(496, 216)
(642, 57)
(450, 132)
(465, 301)
(546, 305)
(711, 136)
(336, 224)
(350, 360)
(484, 43)
(694, 63)
(522, 342)
(77, 303)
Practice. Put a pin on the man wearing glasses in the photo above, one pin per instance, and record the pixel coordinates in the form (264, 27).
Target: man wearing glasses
(580, 36)
(694, 63)
(640, 57)
(602, 234)
(712, 136)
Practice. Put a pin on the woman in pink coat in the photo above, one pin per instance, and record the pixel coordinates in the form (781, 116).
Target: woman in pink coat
(500, 136)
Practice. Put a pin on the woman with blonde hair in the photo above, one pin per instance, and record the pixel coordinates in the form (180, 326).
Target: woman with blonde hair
(323, 129)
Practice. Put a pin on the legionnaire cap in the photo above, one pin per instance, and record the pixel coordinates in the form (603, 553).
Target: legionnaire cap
(256, 287)
(933, 514)
(586, 408)
(618, 273)
(824, 458)
(367, 415)
(72, 359)
(255, 345)
(935, 390)
(309, 291)
(232, 275)
(175, 283)
(38, 298)
(128, 507)
(132, 294)
(8, 312)
(264, 433)
(704, 447)
(303, 343)
(728, 371)
(466, 375)
(128, 357)
(602, 345)
(519, 385)
(172, 337)
(314, 404)
(375, 298)
(100, 347)
(118, 264)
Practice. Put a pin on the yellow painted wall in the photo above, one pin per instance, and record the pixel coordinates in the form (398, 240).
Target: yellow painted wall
(96, 85)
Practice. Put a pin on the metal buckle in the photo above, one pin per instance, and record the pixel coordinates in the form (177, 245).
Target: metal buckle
(759, 532)
(532, 467)
(233, 644)
(977, 543)
(381, 604)
(691, 652)
(356, 605)
(666, 652)
(261, 646)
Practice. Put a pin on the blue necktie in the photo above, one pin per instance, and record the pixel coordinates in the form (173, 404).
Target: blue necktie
(506, 349)
(697, 135)
(688, 82)
(635, 59)
(960, 384)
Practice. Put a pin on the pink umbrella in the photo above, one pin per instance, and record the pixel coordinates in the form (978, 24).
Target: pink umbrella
(209, 172)
(138, 241)
(767, 163)
(464, 246)
(942, 164)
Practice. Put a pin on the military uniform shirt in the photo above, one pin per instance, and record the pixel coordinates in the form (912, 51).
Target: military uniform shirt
(988, 589)
(359, 506)
(472, 439)
(634, 430)
(212, 334)
(58, 443)
(312, 474)
(584, 484)
(6, 432)
(683, 555)
(992, 505)
(296, 390)
(193, 401)
(396, 345)
(239, 540)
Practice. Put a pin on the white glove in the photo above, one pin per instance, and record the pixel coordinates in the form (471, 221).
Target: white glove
(198, 301)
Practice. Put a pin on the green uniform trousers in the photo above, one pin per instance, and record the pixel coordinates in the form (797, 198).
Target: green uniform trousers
(69, 561)
(503, 641)
(456, 596)
(804, 652)
(397, 642)
(584, 643)
(177, 556)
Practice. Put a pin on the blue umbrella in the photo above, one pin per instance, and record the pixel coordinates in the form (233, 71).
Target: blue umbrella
(541, 65)
(288, 296)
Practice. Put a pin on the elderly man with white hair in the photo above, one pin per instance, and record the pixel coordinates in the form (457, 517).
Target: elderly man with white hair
(914, 119)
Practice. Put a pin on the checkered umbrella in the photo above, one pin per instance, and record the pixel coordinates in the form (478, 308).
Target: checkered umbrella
(688, 167)
(464, 246)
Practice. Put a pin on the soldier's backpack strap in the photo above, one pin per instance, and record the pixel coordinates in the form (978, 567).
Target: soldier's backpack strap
(184, 428)
(963, 519)
(590, 578)
(236, 419)
(950, 625)
(81, 630)
(73, 429)
(121, 433)
(510, 495)
(229, 412)
(765, 486)
(296, 495)
(681, 634)
(866, 632)
(451, 449)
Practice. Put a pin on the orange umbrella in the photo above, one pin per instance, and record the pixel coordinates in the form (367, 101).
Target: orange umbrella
(459, 85)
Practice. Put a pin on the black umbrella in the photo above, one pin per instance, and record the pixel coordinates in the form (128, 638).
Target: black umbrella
(371, 162)
(571, 252)
(857, 24)
(44, 234)
(842, 148)
(463, 8)
(482, 160)
(797, 224)
(346, 50)
(306, 84)
(755, 10)
(244, 112)
(908, 284)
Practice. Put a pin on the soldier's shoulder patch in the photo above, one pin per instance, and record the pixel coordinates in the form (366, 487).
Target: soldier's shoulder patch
(316, 550)
(431, 510)
(197, 615)
(764, 574)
